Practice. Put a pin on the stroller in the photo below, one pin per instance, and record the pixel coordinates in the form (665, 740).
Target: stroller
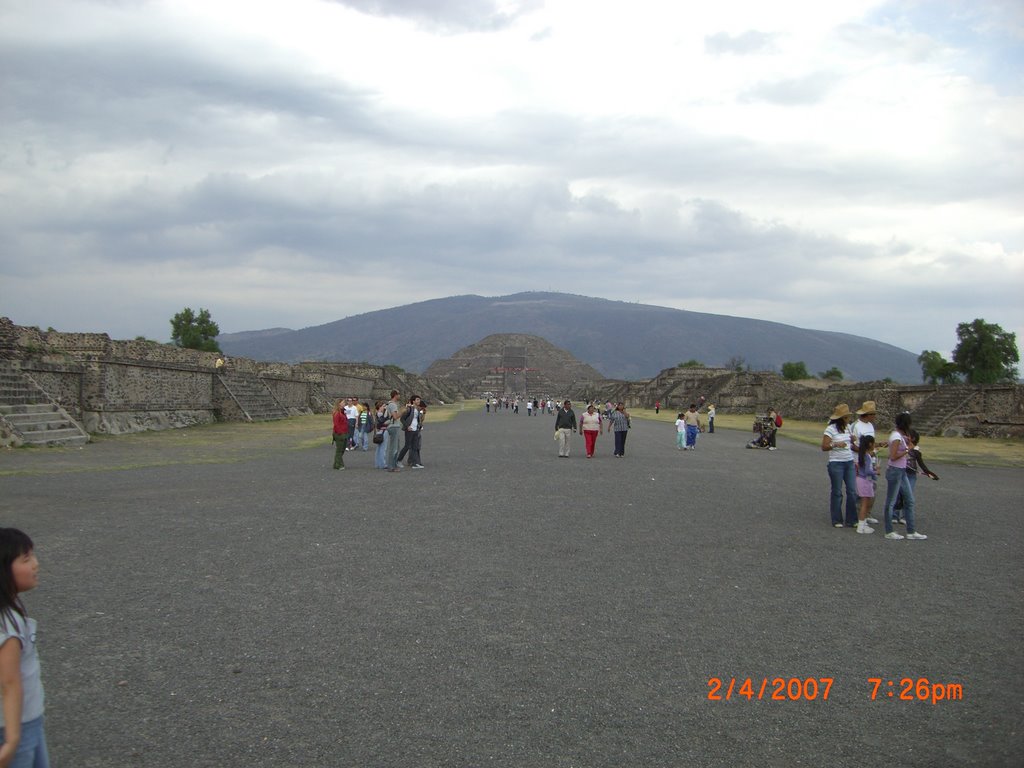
(764, 428)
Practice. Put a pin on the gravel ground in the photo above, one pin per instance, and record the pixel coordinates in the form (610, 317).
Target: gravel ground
(504, 607)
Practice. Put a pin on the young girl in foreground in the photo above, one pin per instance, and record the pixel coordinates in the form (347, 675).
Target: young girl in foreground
(867, 475)
(21, 725)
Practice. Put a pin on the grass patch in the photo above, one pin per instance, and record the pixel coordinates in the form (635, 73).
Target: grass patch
(216, 443)
(968, 451)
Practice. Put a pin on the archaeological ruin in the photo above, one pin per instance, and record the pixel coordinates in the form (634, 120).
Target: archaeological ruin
(58, 388)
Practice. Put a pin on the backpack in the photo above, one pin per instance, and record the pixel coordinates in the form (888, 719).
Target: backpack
(778, 420)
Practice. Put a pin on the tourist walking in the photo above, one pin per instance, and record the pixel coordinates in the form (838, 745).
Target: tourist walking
(590, 426)
(681, 431)
(619, 423)
(711, 419)
(837, 442)
(565, 424)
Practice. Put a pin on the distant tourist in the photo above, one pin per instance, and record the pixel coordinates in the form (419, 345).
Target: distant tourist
(619, 423)
(352, 414)
(837, 442)
(864, 426)
(380, 435)
(411, 420)
(897, 482)
(590, 426)
(340, 434)
(915, 464)
(565, 424)
(711, 419)
(394, 430)
(867, 477)
(681, 430)
(774, 422)
(692, 419)
(657, 407)
(529, 407)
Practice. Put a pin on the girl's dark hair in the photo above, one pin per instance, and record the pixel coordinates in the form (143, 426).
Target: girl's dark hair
(681, 414)
(13, 544)
(902, 421)
(867, 442)
(914, 436)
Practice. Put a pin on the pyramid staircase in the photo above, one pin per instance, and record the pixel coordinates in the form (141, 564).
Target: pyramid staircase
(30, 417)
(948, 401)
(252, 396)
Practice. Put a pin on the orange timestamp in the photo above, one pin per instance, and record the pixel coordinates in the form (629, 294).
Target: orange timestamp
(770, 689)
(914, 689)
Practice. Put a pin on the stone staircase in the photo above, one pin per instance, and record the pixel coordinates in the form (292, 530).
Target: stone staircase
(948, 401)
(252, 396)
(29, 417)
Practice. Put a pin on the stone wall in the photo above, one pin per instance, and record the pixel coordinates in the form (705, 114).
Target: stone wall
(114, 387)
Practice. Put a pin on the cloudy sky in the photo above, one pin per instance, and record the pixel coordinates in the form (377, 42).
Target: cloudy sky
(853, 166)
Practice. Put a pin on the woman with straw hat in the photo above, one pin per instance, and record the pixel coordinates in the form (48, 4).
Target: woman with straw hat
(837, 443)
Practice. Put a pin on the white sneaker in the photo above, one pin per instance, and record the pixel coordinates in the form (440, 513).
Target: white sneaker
(917, 536)
(770, 448)
(864, 528)
(894, 536)
(870, 520)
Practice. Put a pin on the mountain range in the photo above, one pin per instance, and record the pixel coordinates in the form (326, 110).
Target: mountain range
(621, 340)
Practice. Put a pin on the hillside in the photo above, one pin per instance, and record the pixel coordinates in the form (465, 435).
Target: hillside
(619, 339)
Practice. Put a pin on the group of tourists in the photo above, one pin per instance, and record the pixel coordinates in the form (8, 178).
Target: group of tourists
(356, 425)
(614, 419)
(852, 449)
(511, 403)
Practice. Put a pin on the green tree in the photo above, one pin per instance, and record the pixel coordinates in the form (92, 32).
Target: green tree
(832, 374)
(795, 371)
(194, 331)
(935, 368)
(986, 353)
(691, 363)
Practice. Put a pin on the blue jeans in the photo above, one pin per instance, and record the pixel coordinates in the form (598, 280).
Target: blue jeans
(380, 457)
(842, 473)
(31, 752)
(691, 436)
(393, 433)
(620, 443)
(896, 481)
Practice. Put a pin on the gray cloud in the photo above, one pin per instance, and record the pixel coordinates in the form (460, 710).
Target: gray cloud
(798, 91)
(749, 42)
(449, 15)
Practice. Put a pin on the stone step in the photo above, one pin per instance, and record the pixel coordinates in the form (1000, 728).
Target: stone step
(56, 437)
(32, 408)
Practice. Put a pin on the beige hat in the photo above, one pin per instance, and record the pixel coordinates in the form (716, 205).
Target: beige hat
(867, 409)
(841, 410)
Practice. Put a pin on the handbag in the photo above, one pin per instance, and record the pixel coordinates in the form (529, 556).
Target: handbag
(378, 438)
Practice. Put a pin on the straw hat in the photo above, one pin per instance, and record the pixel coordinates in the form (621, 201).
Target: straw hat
(841, 410)
(867, 409)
